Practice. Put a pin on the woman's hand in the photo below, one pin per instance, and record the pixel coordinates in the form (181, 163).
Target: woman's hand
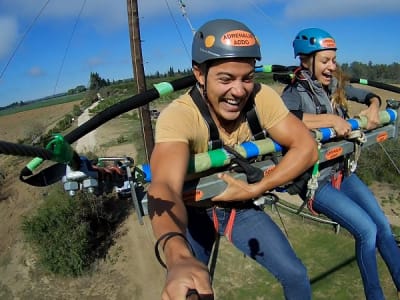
(341, 126)
(372, 114)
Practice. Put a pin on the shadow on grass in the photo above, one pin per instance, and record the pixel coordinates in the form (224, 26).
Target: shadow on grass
(329, 272)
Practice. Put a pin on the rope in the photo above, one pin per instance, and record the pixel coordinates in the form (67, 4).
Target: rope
(23, 38)
(391, 160)
(68, 45)
(177, 29)
(24, 150)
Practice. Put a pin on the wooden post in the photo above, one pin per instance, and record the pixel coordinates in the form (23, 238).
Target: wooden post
(138, 73)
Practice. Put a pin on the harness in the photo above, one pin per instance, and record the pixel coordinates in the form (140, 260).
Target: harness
(240, 163)
(250, 111)
(342, 168)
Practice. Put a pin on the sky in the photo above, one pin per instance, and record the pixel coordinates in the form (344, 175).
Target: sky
(48, 46)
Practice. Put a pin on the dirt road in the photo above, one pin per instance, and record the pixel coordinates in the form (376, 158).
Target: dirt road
(130, 270)
(87, 142)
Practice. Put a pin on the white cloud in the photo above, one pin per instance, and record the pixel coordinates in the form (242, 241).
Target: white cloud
(36, 72)
(108, 15)
(95, 61)
(8, 35)
(299, 9)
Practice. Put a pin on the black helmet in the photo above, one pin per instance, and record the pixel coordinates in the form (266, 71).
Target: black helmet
(224, 38)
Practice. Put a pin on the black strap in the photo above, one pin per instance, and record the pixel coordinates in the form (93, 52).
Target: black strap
(253, 174)
(319, 108)
(252, 118)
(215, 142)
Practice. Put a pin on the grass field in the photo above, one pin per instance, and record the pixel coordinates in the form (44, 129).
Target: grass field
(42, 104)
(329, 258)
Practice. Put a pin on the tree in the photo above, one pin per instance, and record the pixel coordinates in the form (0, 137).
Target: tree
(96, 82)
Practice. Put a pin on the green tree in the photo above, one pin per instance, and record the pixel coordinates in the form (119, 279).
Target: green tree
(96, 82)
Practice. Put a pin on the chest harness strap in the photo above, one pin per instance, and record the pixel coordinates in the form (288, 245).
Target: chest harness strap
(253, 174)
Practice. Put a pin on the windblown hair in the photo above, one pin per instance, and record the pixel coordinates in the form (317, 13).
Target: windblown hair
(339, 96)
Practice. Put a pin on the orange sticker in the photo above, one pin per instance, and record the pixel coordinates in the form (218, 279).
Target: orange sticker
(191, 196)
(333, 153)
(328, 43)
(268, 170)
(209, 41)
(383, 136)
(238, 38)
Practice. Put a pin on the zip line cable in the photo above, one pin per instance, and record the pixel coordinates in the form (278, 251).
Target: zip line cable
(277, 25)
(68, 45)
(389, 157)
(23, 38)
(269, 18)
(184, 14)
(177, 29)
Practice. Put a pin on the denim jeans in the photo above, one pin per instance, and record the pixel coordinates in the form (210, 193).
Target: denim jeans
(355, 208)
(256, 235)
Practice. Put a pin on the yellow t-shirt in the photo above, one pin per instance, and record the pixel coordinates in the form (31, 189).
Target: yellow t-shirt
(181, 121)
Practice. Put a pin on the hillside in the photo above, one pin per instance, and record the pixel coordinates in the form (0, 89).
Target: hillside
(130, 270)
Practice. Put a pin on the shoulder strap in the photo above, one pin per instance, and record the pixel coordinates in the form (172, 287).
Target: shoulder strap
(319, 108)
(252, 118)
(215, 142)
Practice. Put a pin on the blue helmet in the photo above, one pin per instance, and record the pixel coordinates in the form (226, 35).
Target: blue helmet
(311, 40)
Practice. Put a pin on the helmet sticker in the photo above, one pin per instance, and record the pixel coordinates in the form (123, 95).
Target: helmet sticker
(238, 38)
(328, 43)
(209, 41)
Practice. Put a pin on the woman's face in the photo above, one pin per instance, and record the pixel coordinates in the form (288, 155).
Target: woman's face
(324, 65)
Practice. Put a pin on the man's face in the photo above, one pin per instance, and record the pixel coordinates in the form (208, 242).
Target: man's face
(229, 84)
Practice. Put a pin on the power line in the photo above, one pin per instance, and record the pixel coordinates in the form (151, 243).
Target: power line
(23, 38)
(184, 14)
(177, 28)
(68, 45)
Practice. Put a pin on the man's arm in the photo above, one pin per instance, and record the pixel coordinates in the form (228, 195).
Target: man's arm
(301, 154)
(169, 163)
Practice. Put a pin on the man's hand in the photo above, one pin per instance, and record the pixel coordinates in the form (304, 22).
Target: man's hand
(236, 190)
(184, 275)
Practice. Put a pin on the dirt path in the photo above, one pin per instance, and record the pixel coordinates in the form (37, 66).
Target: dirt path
(130, 270)
(86, 143)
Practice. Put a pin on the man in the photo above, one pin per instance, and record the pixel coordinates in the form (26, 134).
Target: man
(224, 54)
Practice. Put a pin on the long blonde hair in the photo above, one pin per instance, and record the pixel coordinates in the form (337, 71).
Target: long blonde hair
(339, 96)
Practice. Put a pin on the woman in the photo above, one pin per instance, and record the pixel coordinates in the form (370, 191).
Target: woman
(318, 98)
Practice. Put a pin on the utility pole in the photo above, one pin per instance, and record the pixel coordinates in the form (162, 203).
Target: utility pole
(138, 73)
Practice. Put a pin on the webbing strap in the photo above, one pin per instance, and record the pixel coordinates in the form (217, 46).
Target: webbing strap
(215, 220)
(251, 116)
(229, 226)
(215, 142)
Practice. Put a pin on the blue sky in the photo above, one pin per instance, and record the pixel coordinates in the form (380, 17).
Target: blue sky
(45, 49)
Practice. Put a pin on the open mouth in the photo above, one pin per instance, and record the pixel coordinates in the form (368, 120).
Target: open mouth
(231, 105)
